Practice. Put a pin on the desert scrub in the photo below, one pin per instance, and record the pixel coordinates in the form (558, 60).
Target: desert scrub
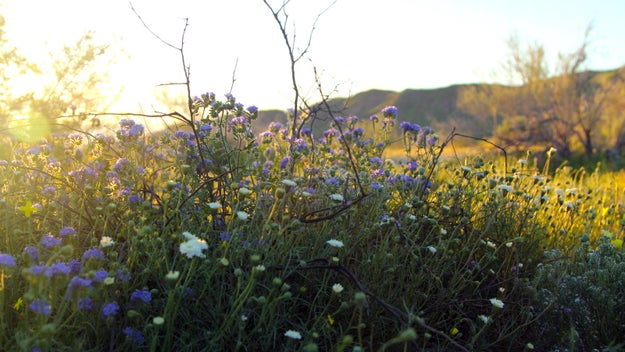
(582, 295)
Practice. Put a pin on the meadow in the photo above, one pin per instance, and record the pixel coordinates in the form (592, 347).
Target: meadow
(213, 238)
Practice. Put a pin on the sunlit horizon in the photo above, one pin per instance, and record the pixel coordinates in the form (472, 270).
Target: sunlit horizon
(356, 46)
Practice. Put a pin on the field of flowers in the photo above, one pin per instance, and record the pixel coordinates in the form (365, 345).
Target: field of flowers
(214, 238)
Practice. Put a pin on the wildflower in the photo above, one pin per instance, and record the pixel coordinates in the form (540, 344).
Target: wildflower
(40, 306)
(432, 249)
(158, 320)
(142, 295)
(243, 191)
(485, 319)
(617, 243)
(100, 275)
(93, 253)
(497, 303)
(67, 231)
(172, 275)
(285, 162)
(36, 269)
(390, 111)
(28, 209)
(335, 243)
(109, 281)
(49, 241)
(110, 309)
(7, 259)
(289, 183)
(214, 205)
(295, 335)
(252, 109)
(84, 304)
(57, 269)
(259, 268)
(106, 241)
(337, 288)
(336, 197)
(135, 335)
(242, 215)
(193, 247)
(123, 275)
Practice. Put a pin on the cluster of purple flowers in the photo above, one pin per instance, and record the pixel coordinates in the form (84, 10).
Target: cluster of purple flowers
(129, 130)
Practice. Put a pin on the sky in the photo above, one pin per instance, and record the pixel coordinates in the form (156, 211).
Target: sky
(357, 45)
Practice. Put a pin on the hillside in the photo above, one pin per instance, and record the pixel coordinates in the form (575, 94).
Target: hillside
(439, 108)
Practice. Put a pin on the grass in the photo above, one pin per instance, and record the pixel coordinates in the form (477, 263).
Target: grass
(215, 238)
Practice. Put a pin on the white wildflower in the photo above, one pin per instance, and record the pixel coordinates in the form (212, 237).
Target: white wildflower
(193, 246)
(337, 288)
(295, 335)
(106, 241)
(336, 197)
(335, 243)
(497, 303)
(289, 183)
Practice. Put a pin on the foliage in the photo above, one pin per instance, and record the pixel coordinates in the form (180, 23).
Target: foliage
(566, 106)
(67, 88)
(213, 236)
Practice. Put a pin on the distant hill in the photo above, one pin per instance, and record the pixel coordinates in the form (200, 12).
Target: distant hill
(438, 108)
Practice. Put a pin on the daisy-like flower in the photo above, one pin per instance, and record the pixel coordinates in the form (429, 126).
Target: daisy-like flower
(106, 241)
(242, 215)
(497, 303)
(172, 275)
(193, 246)
(337, 288)
(214, 205)
(292, 334)
(335, 243)
(336, 197)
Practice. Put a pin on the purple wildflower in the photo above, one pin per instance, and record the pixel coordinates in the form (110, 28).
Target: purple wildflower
(37, 269)
(40, 306)
(67, 231)
(135, 335)
(390, 111)
(275, 127)
(75, 266)
(110, 309)
(100, 275)
(50, 241)
(57, 269)
(225, 236)
(285, 162)
(412, 165)
(266, 137)
(93, 253)
(252, 109)
(123, 276)
(84, 304)
(7, 259)
(142, 295)
(32, 252)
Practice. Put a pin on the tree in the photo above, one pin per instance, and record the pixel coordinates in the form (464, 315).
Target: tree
(60, 91)
(562, 110)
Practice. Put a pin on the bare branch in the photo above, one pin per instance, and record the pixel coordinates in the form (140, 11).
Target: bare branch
(150, 29)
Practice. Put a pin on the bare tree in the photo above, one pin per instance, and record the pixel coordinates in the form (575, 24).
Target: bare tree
(281, 17)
